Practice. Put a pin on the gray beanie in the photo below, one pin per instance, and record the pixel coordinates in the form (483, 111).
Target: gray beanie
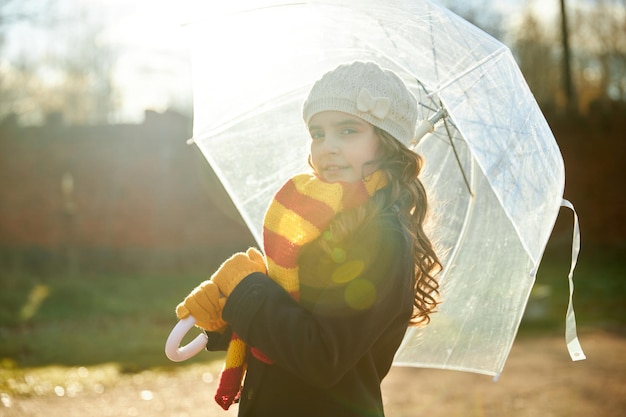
(365, 90)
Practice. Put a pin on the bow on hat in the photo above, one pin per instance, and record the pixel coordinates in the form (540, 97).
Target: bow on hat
(377, 106)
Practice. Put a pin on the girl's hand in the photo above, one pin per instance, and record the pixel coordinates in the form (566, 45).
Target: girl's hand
(205, 304)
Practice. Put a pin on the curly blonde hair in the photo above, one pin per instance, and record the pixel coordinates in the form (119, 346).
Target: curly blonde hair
(407, 192)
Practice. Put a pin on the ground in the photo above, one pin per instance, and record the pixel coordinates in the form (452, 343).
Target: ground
(539, 379)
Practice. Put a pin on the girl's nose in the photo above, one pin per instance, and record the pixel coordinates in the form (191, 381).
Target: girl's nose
(330, 144)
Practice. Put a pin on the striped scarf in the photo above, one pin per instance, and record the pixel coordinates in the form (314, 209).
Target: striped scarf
(300, 211)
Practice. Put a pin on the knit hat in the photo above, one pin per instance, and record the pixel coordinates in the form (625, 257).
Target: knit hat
(365, 90)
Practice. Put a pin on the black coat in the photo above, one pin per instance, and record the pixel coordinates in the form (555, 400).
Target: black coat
(330, 350)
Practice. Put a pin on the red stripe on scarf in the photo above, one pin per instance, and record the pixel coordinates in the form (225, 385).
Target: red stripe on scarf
(279, 249)
(229, 387)
(260, 355)
(313, 210)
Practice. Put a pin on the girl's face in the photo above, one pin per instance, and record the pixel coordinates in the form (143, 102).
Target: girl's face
(343, 147)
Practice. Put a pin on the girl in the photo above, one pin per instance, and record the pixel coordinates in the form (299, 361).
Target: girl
(314, 323)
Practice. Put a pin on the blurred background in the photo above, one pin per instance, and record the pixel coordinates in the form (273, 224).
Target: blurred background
(108, 218)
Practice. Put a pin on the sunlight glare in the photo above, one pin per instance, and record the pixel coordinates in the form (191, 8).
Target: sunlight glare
(232, 46)
(546, 10)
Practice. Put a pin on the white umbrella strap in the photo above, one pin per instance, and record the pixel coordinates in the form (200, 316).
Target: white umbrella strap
(573, 345)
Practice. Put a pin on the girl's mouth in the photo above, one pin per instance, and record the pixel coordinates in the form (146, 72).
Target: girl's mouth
(333, 168)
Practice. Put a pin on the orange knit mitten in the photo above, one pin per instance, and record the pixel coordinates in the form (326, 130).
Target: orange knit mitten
(205, 302)
(236, 268)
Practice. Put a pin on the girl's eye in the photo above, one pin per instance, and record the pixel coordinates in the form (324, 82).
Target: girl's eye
(316, 135)
(348, 131)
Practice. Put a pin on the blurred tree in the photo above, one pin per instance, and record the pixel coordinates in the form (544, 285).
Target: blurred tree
(84, 90)
(599, 40)
(595, 40)
(568, 85)
(67, 70)
(537, 58)
(13, 12)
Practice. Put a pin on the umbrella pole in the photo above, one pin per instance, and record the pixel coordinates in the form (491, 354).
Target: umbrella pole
(428, 126)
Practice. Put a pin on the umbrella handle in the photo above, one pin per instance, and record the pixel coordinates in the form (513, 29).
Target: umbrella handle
(179, 354)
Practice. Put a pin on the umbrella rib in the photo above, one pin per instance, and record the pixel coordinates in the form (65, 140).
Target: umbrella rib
(480, 63)
(456, 156)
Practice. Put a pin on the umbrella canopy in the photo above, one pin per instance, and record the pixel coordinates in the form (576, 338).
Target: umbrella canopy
(493, 171)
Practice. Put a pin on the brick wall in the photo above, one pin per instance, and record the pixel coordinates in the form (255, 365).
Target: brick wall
(129, 189)
(142, 198)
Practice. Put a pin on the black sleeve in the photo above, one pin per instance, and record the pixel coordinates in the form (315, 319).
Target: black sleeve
(323, 342)
(217, 341)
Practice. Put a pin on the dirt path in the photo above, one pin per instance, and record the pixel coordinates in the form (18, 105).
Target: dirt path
(538, 380)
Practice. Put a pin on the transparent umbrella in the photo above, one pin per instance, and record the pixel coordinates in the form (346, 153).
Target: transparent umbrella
(494, 173)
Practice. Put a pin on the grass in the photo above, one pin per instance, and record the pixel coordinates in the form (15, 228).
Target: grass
(53, 328)
(89, 320)
(56, 330)
(599, 290)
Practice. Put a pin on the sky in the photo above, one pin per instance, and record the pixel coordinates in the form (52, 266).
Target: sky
(152, 68)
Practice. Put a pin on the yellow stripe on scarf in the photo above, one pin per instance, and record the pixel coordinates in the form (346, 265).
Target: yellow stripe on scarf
(284, 276)
(236, 352)
(284, 222)
(326, 192)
